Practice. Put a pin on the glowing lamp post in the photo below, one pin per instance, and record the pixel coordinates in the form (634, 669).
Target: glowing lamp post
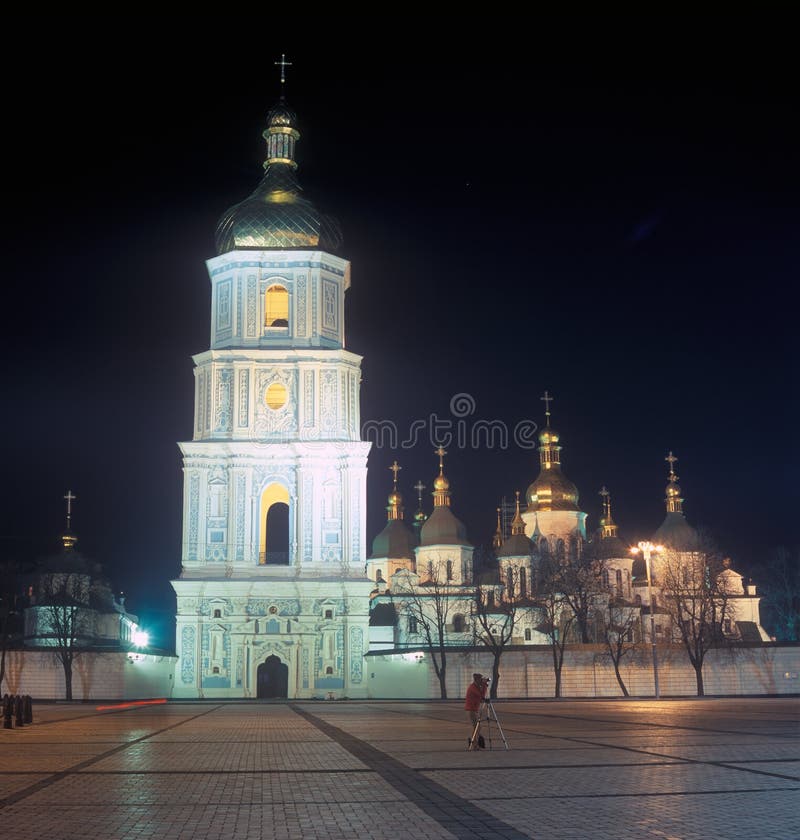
(647, 548)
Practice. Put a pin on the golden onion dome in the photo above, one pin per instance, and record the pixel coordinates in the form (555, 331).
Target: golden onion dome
(396, 498)
(673, 489)
(282, 115)
(441, 483)
(552, 490)
(548, 435)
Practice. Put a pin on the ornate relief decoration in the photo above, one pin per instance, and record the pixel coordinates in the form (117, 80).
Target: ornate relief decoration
(307, 521)
(301, 306)
(224, 420)
(280, 606)
(199, 400)
(280, 422)
(356, 653)
(244, 398)
(306, 663)
(308, 395)
(237, 322)
(241, 489)
(314, 311)
(329, 401)
(194, 515)
(224, 313)
(252, 301)
(330, 310)
(187, 654)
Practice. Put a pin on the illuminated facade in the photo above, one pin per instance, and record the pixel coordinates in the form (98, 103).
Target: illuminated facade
(272, 597)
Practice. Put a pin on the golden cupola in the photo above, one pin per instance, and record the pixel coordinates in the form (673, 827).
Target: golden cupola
(675, 532)
(442, 527)
(551, 490)
(396, 541)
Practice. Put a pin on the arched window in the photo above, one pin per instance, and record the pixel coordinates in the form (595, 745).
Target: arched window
(276, 307)
(527, 634)
(458, 623)
(217, 613)
(329, 614)
(561, 553)
(544, 548)
(329, 669)
(510, 583)
(274, 536)
(412, 624)
(605, 578)
(523, 583)
(449, 569)
(619, 582)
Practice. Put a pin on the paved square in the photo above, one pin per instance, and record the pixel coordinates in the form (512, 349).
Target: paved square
(671, 769)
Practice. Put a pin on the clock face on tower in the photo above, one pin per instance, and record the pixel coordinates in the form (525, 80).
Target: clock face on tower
(275, 396)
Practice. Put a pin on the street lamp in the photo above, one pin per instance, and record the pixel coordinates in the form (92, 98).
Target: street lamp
(647, 548)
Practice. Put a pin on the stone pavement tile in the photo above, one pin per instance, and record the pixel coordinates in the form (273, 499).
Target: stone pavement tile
(785, 768)
(221, 822)
(148, 756)
(737, 752)
(670, 778)
(725, 816)
(514, 757)
(93, 789)
(48, 757)
(12, 782)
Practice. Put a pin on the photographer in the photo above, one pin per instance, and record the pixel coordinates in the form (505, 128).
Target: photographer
(476, 693)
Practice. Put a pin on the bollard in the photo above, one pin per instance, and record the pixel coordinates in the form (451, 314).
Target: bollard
(28, 709)
(7, 713)
(18, 705)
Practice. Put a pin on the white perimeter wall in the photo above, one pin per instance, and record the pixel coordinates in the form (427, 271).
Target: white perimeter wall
(95, 676)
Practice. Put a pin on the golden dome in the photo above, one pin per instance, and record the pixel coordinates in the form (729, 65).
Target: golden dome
(552, 490)
(396, 498)
(441, 483)
(548, 435)
(673, 489)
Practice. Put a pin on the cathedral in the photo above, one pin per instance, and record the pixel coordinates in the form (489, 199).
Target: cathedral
(277, 594)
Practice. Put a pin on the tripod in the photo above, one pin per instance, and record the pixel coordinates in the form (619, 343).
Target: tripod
(486, 713)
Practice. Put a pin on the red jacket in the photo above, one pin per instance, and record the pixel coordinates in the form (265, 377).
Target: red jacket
(474, 697)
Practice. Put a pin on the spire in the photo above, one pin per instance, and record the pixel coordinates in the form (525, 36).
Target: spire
(497, 540)
(549, 457)
(551, 490)
(607, 524)
(517, 523)
(673, 499)
(441, 486)
(395, 507)
(281, 132)
(68, 538)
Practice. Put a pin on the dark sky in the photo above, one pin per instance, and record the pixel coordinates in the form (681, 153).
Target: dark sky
(613, 220)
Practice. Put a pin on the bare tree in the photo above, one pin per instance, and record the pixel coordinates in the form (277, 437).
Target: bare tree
(620, 631)
(779, 584)
(697, 601)
(9, 583)
(64, 617)
(556, 615)
(428, 606)
(583, 585)
(497, 611)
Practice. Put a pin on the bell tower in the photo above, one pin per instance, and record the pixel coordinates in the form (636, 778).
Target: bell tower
(275, 474)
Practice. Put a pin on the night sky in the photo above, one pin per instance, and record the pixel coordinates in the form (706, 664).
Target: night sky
(617, 225)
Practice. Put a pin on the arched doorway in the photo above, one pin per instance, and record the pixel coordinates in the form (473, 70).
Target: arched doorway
(272, 678)
(274, 536)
